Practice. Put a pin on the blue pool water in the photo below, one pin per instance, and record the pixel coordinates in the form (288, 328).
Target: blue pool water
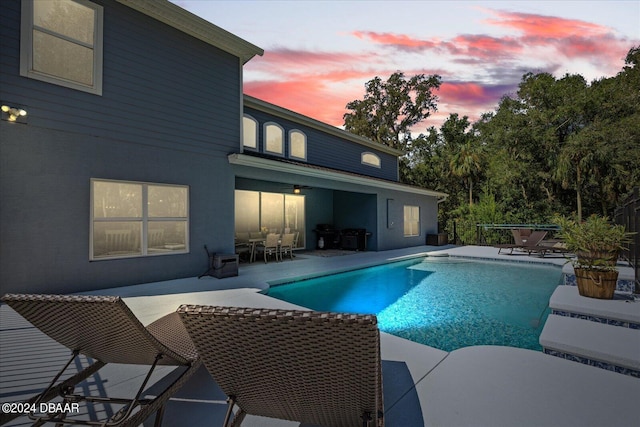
(446, 303)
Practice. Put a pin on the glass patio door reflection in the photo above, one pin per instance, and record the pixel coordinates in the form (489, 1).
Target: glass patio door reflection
(262, 213)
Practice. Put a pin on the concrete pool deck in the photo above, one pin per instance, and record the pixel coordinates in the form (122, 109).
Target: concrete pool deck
(474, 386)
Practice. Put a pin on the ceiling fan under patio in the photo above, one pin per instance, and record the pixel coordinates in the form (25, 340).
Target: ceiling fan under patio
(297, 189)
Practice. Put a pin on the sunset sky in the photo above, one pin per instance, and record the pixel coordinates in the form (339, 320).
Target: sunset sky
(319, 54)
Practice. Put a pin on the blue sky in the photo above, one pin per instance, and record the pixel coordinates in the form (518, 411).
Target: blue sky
(319, 54)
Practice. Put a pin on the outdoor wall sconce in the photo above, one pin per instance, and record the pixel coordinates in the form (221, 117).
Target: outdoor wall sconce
(13, 114)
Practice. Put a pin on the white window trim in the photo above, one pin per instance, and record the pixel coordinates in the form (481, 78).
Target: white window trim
(247, 116)
(144, 220)
(368, 155)
(26, 50)
(417, 222)
(291, 155)
(264, 137)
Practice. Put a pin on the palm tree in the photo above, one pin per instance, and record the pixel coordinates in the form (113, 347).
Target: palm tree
(585, 158)
(466, 163)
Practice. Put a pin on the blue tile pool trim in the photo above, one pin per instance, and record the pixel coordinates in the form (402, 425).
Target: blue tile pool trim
(524, 260)
(591, 362)
(598, 319)
(623, 285)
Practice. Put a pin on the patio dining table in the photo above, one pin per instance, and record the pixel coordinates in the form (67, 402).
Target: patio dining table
(253, 243)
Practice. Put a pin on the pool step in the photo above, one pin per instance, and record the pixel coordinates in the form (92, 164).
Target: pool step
(620, 311)
(596, 344)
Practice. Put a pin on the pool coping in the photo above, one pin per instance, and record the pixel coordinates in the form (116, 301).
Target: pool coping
(436, 253)
(315, 275)
(480, 385)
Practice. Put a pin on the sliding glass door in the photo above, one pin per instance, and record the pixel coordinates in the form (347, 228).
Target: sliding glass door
(260, 213)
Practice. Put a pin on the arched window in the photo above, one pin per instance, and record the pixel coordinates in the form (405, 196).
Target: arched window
(273, 139)
(370, 159)
(249, 132)
(297, 145)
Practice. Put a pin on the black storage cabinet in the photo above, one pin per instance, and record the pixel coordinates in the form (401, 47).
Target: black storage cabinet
(225, 265)
(439, 239)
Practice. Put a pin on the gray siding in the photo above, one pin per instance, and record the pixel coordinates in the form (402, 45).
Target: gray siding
(392, 237)
(169, 113)
(161, 87)
(329, 150)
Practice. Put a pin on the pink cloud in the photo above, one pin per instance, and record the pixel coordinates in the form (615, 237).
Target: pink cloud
(305, 97)
(477, 45)
(319, 84)
(290, 61)
(401, 41)
(570, 38)
(463, 93)
(485, 47)
(475, 96)
(547, 26)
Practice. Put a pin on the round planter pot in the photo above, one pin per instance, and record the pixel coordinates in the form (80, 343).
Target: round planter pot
(596, 283)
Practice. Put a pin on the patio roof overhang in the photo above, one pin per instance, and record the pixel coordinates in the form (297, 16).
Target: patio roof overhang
(328, 174)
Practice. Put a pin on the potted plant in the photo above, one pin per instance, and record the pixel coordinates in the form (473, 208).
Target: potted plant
(596, 243)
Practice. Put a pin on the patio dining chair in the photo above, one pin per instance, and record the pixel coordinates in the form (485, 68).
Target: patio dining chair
(104, 329)
(270, 246)
(286, 245)
(310, 367)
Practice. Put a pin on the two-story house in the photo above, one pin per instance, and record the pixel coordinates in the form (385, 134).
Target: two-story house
(126, 145)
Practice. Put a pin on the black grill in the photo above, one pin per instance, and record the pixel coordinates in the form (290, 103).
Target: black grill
(354, 239)
(330, 236)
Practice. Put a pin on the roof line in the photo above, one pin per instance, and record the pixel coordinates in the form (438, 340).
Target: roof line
(259, 104)
(329, 174)
(185, 21)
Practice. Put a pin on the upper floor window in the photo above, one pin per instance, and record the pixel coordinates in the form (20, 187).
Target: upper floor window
(411, 220)
(297, 145)
(130, 219)
(249, 132)
(273, 139)
(61, 43)
(370, 159)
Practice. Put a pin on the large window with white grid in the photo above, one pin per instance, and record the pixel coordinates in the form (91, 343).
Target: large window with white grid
(131, 219)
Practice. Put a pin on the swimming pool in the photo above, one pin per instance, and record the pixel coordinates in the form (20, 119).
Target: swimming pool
(446, 303)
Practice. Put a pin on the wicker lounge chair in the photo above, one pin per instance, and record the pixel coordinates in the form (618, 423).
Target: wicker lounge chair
(541, 250)
(104, 329)
(533, 240)
(305, 366)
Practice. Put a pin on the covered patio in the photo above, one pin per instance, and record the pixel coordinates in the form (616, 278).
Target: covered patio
(273, 195)
(481, 385)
